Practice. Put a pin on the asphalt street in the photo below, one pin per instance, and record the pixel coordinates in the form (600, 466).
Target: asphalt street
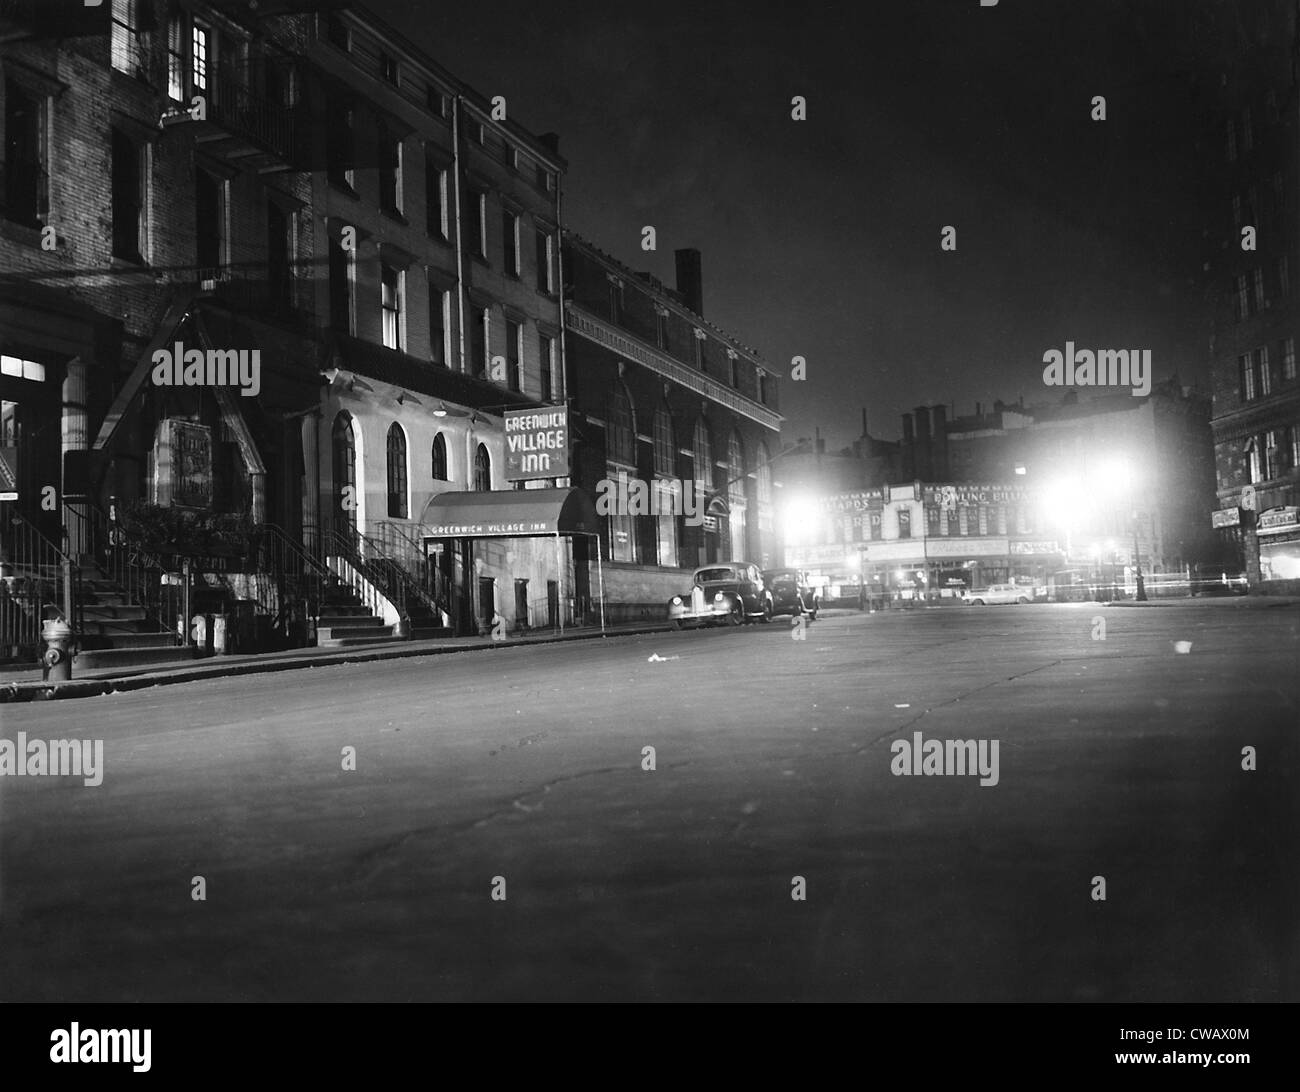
(1118, 758)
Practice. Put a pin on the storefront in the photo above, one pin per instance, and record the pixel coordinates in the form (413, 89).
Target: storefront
(492, 550)
(1278, 532)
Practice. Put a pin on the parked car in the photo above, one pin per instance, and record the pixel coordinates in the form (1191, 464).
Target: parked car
(791, 593)
(999, 593)
(731, 592)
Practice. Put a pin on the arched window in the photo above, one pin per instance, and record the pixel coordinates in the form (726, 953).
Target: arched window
(439, 459)
(343, 447)
(703, 455)
(763, 472)
(736, 496)
(620, 432)
(398, 502)
(665, 455)
(482, 469)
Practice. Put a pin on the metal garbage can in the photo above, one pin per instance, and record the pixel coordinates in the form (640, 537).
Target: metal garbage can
(57, 657)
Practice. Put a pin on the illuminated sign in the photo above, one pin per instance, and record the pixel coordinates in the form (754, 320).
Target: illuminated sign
(537, 443)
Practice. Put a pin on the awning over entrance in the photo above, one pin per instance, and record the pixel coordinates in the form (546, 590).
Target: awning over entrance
(510, 514)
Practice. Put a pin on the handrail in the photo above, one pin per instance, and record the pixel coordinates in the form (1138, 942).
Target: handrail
(33, 570)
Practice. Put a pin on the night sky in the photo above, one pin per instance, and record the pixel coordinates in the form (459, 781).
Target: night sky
(821, 238)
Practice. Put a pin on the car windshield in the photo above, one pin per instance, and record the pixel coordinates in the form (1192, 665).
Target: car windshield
(705, 576)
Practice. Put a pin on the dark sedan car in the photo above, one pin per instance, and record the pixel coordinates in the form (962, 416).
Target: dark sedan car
(791, 593)
(730, 592)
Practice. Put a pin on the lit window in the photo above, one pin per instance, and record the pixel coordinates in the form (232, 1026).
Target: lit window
(392, 305)
(199, 57)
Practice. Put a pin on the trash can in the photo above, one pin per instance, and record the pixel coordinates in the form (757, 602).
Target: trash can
(57, 658)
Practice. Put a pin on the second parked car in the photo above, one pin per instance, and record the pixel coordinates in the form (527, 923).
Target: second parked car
(791, 593)
(1000, 593)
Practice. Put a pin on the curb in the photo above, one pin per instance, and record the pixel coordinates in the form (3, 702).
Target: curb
(89, 688)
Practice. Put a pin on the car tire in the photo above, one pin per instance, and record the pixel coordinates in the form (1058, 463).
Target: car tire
(767, 612)
(1022, 600)
(674, 623)
(812, 614)
(736, 616)
(977, 602)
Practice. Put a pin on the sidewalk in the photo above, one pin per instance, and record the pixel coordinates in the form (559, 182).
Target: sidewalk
(23, 683)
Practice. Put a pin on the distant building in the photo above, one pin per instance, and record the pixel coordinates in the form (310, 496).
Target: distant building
(1251, 144)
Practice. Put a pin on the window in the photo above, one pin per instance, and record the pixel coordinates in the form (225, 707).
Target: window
(336, 31)
(439, 305)
(546, 354)
(209, 221)
(22, 369)
(435, 199)
(514, 350)
(1283, 276)
(26, 183)
(343, 447)
(620, 431)
(341, 288)
(1259, 290)
(703, 456)
(1247, 131)
(391, 299)
(661, 327)
(665, 452)
(762, 386)
(510, 241)
(1264, 371)
(1236, 210)
(340, 143)
(476, 223)
(435, 101)
(176, 56)
(736, 496)
(666, 521)
(398, 507)
(733, 369)
(1232, 141)
(279, 254)
(200, 48)
(390, 171)
(1256, 469)
(478, 340)
(1288, 358)
(1241, 298)
(545, 262)
(1293, 443)
(388, 67)
(1245, 377)
(482, 469)
(439, 459)
(128, 47)
(128, 174)
(1272, 455)
(615, 300)
(700, 335)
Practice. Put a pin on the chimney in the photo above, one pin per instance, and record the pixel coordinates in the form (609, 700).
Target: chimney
(690, 279)
(921, 467)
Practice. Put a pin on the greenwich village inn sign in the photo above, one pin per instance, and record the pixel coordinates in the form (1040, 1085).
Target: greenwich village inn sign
(537, 444)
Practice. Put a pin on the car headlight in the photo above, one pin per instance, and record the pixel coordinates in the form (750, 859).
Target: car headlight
(718, 597)
(677, 600)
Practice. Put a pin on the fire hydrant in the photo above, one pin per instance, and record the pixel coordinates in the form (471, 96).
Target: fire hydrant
(57, 658)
